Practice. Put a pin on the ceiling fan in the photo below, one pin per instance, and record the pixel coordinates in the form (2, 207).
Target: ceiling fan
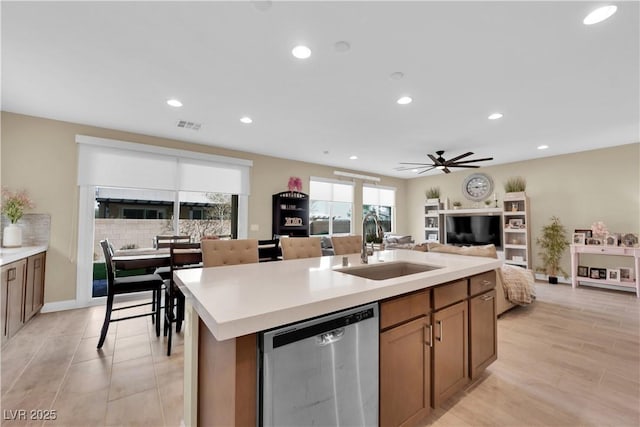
(442, 164)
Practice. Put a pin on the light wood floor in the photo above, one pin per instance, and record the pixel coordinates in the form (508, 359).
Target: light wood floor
(570, 359)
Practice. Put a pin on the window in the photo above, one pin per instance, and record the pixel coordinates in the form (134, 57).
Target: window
(331, 206)
(132, 192)
(382, 201)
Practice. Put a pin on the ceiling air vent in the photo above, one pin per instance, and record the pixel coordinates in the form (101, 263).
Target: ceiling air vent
(189, 125)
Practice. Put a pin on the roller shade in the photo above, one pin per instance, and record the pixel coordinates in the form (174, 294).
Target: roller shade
(123, 164)
(379, 196)
(330, 191)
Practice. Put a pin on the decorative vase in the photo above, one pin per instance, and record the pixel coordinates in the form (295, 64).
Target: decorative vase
(553, 280)
(12, 236)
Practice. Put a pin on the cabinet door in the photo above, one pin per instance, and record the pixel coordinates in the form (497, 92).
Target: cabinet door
(405, 363)
(13, 275)
(483, 332)
(34, 291)
(450, 351)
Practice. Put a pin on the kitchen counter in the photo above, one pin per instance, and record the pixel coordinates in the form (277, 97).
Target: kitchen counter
(9, 255)
(227, 306)
(238, 300)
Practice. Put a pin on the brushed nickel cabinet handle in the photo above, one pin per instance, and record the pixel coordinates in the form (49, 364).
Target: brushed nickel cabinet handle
(439, 338)
(487, 297)
(429, 334)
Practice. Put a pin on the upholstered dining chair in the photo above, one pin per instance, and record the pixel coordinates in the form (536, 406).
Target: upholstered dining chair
(300, 247)
(128, 285)
(217, 253)
(181, 256)
(343, 245)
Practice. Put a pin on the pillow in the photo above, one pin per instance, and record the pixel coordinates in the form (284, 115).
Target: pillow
(403, 240)
(488, 251)
(392, 240)
(422, 247)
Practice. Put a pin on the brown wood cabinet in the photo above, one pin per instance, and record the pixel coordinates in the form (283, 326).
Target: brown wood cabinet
(483, 349)
(405, 359)
(22, 293)
(34, 289)
(450, 351)
(13, 279)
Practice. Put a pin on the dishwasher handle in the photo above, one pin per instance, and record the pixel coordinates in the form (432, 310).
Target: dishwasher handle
(330, 337)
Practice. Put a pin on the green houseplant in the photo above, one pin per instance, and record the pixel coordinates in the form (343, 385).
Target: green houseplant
(433, 193)
(515, 184)
(553, 242)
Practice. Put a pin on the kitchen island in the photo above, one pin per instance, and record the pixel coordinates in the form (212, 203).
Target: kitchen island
(228, 306)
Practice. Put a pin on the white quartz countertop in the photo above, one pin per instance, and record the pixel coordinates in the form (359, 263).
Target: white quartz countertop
(9, 255)
(243, 299)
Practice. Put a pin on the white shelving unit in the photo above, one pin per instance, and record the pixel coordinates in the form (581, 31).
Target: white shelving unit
(432, 220)
(516, 234)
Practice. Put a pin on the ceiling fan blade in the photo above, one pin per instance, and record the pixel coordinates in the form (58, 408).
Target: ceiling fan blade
(463, 166)
(426, 170)
(446, 170)
(459, 157)
(407, 168)
(476, 160)
(409, 163)
(435, 161)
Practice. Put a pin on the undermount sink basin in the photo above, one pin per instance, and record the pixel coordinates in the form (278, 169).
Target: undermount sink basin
(387, 270)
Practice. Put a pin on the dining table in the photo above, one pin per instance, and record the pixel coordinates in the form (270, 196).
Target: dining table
(143, 258)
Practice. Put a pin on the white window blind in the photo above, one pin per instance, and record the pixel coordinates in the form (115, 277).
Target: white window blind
(110, 163)
(330, 190)
(380, 196)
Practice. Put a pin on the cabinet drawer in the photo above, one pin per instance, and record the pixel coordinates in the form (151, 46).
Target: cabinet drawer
(482, 282)
(449, 294)
(403, 308)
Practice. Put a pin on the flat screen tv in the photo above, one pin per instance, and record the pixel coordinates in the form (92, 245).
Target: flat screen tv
(473, 230)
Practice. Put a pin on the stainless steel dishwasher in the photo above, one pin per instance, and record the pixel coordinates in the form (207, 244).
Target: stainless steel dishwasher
(321, 372)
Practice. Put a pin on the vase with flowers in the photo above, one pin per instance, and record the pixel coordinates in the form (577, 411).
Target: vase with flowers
(13, 206)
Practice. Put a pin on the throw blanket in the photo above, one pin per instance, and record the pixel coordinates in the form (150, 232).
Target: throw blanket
(518, 284)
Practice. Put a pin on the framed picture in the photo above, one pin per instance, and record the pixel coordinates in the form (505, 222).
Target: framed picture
(579, 238)
(587, 232)
(626, 274)
(593, 241)
(613, 274)
(611, 240)
(516, 223)
(597, 273)
(630, 240)
(583, 271)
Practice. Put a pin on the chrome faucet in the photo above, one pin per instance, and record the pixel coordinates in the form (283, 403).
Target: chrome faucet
(363, 255)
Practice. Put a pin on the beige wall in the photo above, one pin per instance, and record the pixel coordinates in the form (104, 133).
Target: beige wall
(580, 188)
(39, 155)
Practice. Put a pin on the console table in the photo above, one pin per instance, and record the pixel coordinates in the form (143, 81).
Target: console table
(576, 250)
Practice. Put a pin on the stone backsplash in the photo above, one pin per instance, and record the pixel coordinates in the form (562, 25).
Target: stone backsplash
(35, 228)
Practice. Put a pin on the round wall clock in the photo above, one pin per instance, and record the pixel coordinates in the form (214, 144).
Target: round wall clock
(477, 187)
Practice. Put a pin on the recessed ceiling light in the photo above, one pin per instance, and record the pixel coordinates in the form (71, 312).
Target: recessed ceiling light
(353, 158)
(246, 120)
(174, 103)
(301, 52)
(599, 15)
(404, 100)
(495, 116)
(440, 167)
(543, 147)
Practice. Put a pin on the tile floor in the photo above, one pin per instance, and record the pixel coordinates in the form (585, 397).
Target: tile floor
(570, 359)
(53, 364)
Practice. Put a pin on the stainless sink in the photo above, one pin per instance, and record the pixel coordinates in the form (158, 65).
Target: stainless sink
(388, 270)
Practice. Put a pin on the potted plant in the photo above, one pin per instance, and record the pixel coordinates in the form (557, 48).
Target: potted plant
(553, 243)
(433, 195)
(457, 205)
(514, 187)
(13, 206)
